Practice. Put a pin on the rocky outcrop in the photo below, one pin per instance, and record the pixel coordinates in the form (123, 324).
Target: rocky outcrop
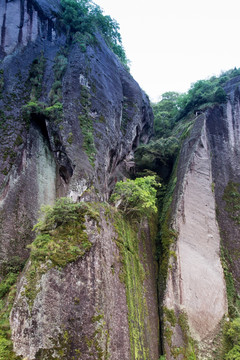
(23, 21)
(205, 219)
(71, 119)
(196, 285)
(99, 117)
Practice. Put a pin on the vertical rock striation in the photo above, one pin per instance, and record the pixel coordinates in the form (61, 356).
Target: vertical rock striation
(196, 283)
(205, 219)
(71, 119)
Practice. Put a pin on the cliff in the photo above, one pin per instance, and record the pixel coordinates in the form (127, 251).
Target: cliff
(71, 119)
(86, 284)
(202, 282)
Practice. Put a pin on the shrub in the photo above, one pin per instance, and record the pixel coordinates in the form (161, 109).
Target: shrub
(136, 197)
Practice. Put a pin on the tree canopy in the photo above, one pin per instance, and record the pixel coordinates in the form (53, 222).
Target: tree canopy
(84, 19)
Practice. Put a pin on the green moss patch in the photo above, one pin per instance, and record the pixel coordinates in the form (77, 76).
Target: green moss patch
(171, 320)
(36, 74)
(133, 274)
(86, 124)
(61, 239)
(232, 198)
(9, 271)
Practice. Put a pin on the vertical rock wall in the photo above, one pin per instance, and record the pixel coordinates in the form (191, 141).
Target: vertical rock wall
(205, 219)
(196, 283)
(79, 148)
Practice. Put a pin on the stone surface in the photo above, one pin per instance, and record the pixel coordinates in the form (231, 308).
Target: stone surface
(111, 91)
(80, 311)
(196, 283)
(208, 162)
(82, 298)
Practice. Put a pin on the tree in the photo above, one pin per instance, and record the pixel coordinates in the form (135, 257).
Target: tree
(165, 112)
(136, 197)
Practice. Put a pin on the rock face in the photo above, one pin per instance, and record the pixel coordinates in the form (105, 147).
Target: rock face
(91, 139)
(81, 311)
(196, 285)
(71, 119)
(204, 219)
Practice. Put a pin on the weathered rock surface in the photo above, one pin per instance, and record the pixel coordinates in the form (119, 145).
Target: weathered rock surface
(93, 84)
(208, 163)
(82, 311)
(196, 283)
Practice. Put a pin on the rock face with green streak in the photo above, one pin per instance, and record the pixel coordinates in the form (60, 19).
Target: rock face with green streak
(70, 121)
(205, 217)
(84, 105)
(80, 311)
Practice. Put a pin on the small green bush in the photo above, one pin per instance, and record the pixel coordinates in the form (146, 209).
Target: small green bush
(136, 197)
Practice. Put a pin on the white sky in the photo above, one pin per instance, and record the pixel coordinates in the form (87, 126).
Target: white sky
(173, 43)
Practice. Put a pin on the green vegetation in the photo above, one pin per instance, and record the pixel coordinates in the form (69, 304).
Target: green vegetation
(1, 83)
(83, 19)
(232, 339)
(98, 344)
(165, 113)
(133, 275)
(136, 197)
(61, 239)
(160, 152)
(36, 77)
(9, 272)
(54, 112)
(232, 198)
(59, 68)
(174, 106)
(231, 330)
(171, 320)
(86, 124)
(137, 200)
(60, 350)
(40, 110)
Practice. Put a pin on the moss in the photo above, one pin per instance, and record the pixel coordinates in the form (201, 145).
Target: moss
(232, 295)
(98, 343)
(1, 83)
(102, 119)
(86, 124)
(133, 275)
(175, 321)
(35, 78)
(61, 348)
(232, 199)
(5, 171)
(61, 239)
(10, 155)
(18, 141)
(70, 138)
(170, 316)
(9, 271)
(59, 68)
